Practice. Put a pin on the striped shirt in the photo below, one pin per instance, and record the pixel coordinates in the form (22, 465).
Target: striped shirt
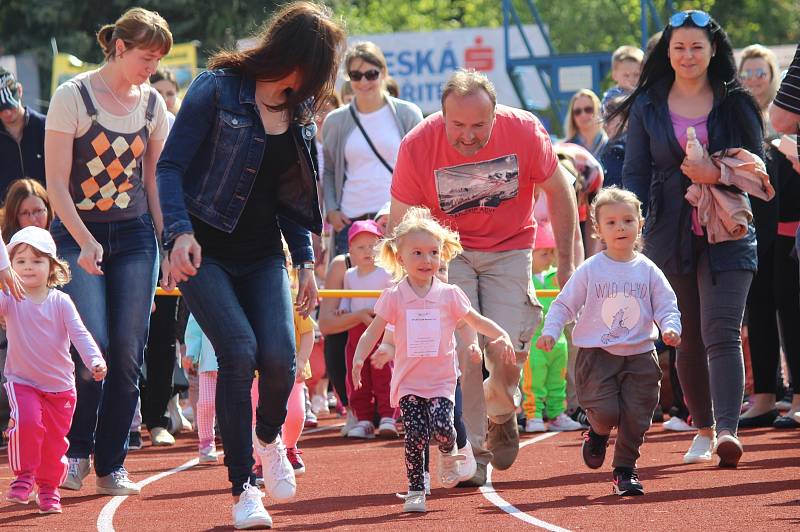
(788, 97)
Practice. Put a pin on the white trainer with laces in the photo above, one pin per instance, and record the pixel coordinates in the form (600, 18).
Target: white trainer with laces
(676, 424)
(535, 425)
(415, 502)
(450, 467)
(563, 423)
(278, 472)
(77, 470)
(249, 512)
(387, 428)
(117, 483)
(363, 430)
(350, 421)
(700, 451)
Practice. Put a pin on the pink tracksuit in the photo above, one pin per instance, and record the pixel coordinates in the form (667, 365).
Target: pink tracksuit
(41, 382)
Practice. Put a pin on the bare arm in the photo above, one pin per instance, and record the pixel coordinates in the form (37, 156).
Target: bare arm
(154, 148)
(304, 352)
(563, 217)
(396, 212)
(58, 165)
(782, 120)
(499, 338)
(329, 321)
(364, 348)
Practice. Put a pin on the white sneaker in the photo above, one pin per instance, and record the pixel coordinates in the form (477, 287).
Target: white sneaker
(77, 470)
(278, 471)
(676, 424)
(319, 405)
(349, 422)
(450, 468)
(730, 450)
(700, 450)
(427, 480)
(177, 421)
(117, 483)
(249, 512)
(160, 437)
(387, 428)
(563, 423)
(415, 502)
(535, 425)
(364, 430)
(208, 455)
(332, 401)
(469, 466)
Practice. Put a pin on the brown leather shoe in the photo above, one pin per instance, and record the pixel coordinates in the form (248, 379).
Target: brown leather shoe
(503, 441)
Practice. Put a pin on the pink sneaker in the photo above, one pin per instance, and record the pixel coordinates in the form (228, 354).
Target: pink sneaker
(20, 490)
(49, 500)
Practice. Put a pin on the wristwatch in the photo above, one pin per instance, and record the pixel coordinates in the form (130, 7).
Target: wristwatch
(308, 265)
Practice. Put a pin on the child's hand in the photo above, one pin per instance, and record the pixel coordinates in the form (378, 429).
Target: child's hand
(356, 373)
(12, 284)
(382, 356)
(546, 343)
(504, 348)
(99, 371)
(188, 364)
(475, 353)
(671, 338)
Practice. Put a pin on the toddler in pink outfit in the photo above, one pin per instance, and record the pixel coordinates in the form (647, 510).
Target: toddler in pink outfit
(39, 369)
(424, 312)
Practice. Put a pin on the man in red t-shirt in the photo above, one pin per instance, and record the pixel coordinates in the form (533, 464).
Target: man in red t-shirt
(475, 165)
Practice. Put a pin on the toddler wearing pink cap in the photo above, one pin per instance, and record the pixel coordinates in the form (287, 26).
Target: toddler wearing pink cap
(373, 395)
(39, 369)
(544, 384)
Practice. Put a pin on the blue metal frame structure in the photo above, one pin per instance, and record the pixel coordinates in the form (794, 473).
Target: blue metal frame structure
(548, 66)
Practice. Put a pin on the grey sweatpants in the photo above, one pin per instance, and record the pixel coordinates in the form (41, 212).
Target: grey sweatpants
(619, 391)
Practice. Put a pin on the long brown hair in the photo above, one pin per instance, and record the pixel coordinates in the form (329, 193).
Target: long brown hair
(137, 28)
(19, 191)
(301, 36)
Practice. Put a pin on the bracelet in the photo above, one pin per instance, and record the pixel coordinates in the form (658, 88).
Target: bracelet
(304, 266)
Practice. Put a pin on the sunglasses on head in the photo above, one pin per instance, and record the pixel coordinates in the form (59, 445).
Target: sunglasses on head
(759, 73)
(701, 19)
(578, 111)
(371, 75)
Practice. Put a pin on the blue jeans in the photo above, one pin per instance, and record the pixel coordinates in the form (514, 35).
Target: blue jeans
(246, 312)
(115, 307)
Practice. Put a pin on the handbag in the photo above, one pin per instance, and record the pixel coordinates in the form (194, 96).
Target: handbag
(369, 141)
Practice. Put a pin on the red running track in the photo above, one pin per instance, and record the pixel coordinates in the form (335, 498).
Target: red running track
(351, 485)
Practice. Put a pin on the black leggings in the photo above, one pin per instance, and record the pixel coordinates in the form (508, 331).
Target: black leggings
(422, 419)
(775, 288)
(335, 364)
(159, 356)
(458, 423)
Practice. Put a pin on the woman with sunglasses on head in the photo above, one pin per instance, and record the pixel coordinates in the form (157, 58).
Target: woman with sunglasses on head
(361, 141)
(690, 79)
(236, 175)
(775, 290)
(584, 125)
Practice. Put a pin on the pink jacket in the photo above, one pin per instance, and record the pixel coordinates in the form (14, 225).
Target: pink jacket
(724, 213)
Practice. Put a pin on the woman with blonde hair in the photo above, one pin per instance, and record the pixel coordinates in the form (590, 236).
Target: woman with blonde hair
(758, 70)
(583, 125)
(104, 134)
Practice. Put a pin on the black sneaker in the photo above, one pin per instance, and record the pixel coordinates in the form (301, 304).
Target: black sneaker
(580, 416)
(626, 482)
(594, 449)
(134, 441)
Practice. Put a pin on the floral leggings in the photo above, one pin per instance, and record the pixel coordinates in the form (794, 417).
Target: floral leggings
(423, 418)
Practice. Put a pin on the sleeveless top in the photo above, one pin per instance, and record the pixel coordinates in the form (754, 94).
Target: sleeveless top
(106, 177)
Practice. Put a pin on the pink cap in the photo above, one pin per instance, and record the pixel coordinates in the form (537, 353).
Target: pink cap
(363, 226)
(544, 237)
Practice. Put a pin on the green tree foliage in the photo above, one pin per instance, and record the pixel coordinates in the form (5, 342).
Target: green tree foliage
(575, 25)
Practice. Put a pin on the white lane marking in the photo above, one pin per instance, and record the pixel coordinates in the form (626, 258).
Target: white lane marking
(492, 496)
(105, 521)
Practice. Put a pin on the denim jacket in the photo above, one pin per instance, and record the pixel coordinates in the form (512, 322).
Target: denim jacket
(213, 154)
(653, 158)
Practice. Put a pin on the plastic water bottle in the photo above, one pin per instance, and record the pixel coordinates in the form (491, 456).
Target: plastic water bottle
(694, 151)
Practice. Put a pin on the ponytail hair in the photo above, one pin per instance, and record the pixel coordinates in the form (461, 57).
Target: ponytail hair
(416, 219)
(137, 28)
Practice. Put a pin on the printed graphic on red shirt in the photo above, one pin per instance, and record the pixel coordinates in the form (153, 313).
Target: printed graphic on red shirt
(477, 186)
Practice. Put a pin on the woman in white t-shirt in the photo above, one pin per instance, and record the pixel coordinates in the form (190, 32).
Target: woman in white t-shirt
(359, 163)
(104, 134)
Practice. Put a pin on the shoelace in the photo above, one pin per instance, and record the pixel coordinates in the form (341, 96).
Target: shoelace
(120, 476)
(278, 468)
(292, 453)
(252, 497)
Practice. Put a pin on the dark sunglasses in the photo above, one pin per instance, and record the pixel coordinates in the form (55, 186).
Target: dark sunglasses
(371, 75)
(578, 111)
(701, 19)
(759, 73)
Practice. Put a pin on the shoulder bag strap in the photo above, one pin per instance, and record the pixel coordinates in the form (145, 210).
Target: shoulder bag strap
(369, 141)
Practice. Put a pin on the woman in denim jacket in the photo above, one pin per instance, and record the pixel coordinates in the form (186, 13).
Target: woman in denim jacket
(236, 172)
(690, 80)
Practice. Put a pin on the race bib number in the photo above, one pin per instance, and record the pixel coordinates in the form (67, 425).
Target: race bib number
(424, 332)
